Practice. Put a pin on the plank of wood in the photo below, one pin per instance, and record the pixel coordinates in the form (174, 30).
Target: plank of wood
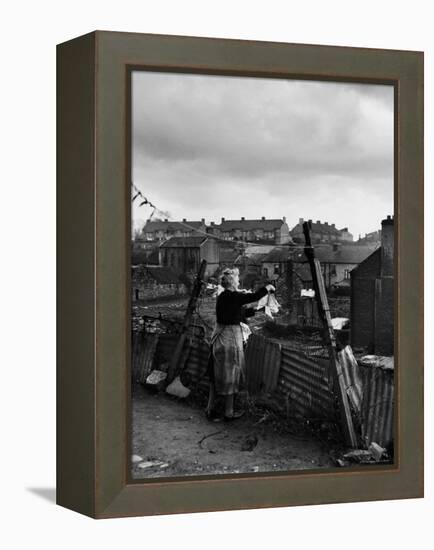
(197, 286)
(330, 339)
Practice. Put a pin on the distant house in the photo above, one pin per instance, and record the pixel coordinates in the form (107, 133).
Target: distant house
(275, 263)
(185, 254)
(144, 252)
(150, 282)
(275, 231)
(372, 297)
(321, 232)
(372, 239)
(337, 261)
(161, 230)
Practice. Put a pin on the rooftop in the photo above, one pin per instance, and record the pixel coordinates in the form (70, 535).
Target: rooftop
(248, 225)
(338, 254)
(166, 225)
(184, 242)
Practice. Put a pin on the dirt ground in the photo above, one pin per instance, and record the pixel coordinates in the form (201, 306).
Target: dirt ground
(174, 438)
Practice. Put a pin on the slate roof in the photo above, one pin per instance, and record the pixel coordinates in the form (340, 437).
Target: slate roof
(277, 255)
(344, 254)
(251, 259)
(228, 255)
(184, 242)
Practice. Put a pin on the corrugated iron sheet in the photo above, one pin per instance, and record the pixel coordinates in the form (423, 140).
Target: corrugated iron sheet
(304, 383)
(143, 352)
(262, 364)
(377, 405)
(352, 378)
(197, 361)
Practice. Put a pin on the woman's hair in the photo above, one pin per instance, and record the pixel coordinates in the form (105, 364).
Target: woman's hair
(228, 278)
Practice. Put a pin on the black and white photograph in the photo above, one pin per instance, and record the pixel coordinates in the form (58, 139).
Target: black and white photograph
(262, 275)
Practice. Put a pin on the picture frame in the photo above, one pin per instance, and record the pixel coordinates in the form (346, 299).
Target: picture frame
(93, 364)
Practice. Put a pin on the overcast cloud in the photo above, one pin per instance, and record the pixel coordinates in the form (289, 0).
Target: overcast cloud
(212, 147)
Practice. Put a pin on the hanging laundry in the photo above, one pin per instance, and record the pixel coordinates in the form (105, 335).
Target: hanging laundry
(270, 304)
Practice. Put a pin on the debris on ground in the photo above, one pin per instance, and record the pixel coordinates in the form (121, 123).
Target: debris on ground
(177, 389)
(156, 379)
(377, 451)
(207, 436)
(152, 464)
(249, 443)
(375, 454)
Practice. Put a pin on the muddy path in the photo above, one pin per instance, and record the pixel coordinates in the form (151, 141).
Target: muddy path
(174, 438)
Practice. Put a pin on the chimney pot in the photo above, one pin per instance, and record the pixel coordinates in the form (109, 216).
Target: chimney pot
(318, 221)
(166, 220)
(243, 218)
(263, 218)
(184, 219)
(223, 219)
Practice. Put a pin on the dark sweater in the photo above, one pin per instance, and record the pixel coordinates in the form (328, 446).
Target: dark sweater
(229, 307)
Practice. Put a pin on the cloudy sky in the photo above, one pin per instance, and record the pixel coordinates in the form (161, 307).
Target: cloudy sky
(212, 146)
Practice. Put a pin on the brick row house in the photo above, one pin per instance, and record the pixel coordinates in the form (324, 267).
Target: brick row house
(321, 232)
(265, 230)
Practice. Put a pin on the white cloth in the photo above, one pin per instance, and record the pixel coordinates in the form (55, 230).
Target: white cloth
(270, 305)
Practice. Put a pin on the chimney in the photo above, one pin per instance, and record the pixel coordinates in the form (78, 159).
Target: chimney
(326, 223)
(223, 220)
(318, 221)
(284, 219)
(387, 247)
(203, 220)
(212, 223)
(263, 218)
(300, 221)
(309, 221)
(184, 219)
(243, 218)
(333, 225)
(166, 220)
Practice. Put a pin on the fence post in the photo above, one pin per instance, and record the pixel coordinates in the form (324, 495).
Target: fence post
(197, 286)
(329, 335)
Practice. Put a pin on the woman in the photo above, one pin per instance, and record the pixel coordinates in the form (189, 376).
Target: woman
(227, 351)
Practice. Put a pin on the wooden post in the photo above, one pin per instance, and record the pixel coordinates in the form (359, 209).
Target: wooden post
(197, 286)
(329, 336)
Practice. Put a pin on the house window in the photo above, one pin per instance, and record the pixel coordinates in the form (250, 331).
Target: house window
(265, 272)
(346, 273)
(276, 269)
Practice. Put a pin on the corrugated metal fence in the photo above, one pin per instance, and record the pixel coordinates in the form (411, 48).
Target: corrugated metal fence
(297, 379)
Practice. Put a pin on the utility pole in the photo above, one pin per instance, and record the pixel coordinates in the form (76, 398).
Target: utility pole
(197, 287)
(329, 336)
